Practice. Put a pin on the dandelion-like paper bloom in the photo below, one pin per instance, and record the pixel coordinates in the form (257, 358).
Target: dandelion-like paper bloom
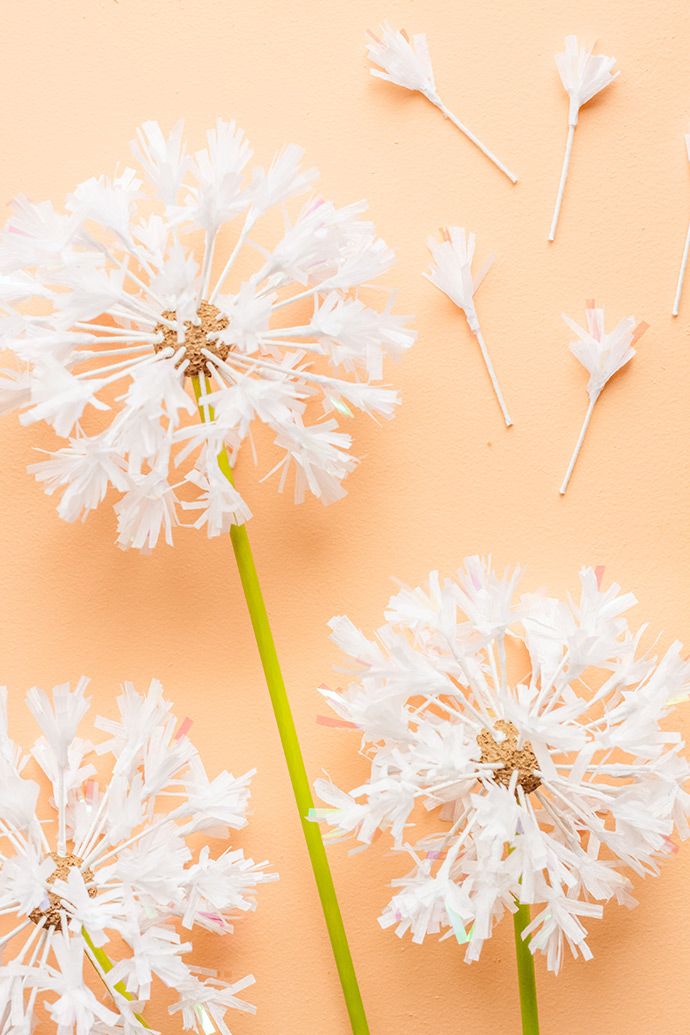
(127, 327)
(686, 252)
(115, 866)
(406, 62)
(583, 75)
(602, 354)
(533, 733)
(451, 273)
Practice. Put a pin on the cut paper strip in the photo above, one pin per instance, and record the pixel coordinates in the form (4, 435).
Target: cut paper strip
(405, 61)
(184, 728)
(451, 273)
(583, 75)
(207, 1025)
(602, 355)
(463, 936)
(686, 251)
(330, 720)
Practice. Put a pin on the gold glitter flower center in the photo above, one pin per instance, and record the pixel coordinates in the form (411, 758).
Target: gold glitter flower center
(523, 759)
(197, 336)
(63, 864)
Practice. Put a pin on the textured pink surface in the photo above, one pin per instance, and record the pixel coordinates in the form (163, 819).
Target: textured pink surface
(443, 480)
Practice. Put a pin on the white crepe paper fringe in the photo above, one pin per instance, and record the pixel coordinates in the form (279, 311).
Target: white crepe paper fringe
(686, 250)
(583, 75)
(405, 61)
(113, 293)
(520, 748)
(106, 871)
(451, 273)
(602, 355)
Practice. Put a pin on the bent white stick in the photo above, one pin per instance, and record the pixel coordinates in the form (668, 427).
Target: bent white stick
(681, 274)
(578, 444)
(437, 102)
(561, 185)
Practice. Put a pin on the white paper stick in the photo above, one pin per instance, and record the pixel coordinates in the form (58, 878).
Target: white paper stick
(405, 61)
(62, 817)
(492, 374)
(475, 139)
(578, 444)
(681, 274)
(451, 273)
(561, 185)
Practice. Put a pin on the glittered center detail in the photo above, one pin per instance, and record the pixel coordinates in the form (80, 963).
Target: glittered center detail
(523, 759)
(63, 864)
(197, 336)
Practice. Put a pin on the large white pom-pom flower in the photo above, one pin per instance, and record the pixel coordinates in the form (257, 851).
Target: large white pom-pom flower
(103, 886)
(119, 316)
(533, 733)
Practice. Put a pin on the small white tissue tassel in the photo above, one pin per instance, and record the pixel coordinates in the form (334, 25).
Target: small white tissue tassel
(686, 250)
(602, 355)
(451, 273)
(406, 62)
(583, 75)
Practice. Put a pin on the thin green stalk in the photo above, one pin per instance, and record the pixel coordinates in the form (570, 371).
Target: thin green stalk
(106, 965)
(525, 967)
(293, 753)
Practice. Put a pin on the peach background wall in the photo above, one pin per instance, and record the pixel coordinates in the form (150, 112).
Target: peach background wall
(442, 480)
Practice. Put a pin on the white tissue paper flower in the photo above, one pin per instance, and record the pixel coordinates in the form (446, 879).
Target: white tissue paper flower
(583, 75)
(451, 273)
(519, 751)
(102, 886)
(402, 60)
(119, 333)
(405, 61)
(602, 354)
(686, 252)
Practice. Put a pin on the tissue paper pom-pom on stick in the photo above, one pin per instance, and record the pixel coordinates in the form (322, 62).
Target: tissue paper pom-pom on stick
(602, 355)
(405, 61)
(108, 875)
(686, 251)
(451, 273)
(521, 754)
(583, 75)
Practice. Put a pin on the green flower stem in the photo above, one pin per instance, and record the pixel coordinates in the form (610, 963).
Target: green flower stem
(293, 753)
(106, 965)
(526, 980)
